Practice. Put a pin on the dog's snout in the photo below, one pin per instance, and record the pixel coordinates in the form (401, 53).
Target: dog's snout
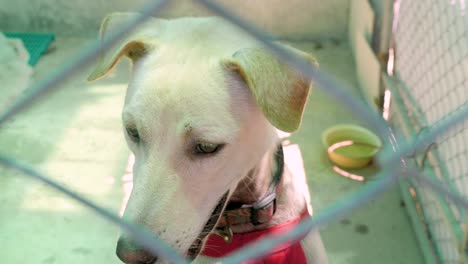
(131, 253)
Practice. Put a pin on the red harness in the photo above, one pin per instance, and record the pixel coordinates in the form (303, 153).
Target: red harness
(288, 252)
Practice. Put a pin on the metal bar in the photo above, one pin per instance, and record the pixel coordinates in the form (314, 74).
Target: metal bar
(421, 234)
(408, 130)
(387, 158)
(142, 236)
(400, 104)
(427, 248)
(449, 195)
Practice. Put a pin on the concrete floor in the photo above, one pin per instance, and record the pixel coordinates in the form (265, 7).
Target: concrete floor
(74, 136)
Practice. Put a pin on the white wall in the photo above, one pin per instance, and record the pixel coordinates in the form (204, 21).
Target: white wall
(298, 19)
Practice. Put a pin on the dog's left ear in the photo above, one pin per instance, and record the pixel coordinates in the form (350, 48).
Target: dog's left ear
(281, 92)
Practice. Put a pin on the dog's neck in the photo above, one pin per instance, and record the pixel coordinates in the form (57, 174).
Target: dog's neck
(257, 181)
(255, 185)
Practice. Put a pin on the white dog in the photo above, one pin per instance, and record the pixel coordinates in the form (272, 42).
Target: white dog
(200, 116)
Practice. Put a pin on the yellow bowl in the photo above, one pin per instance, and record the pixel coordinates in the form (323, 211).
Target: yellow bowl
(350, 146)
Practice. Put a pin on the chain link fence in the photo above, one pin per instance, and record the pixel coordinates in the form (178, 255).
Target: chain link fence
(431, 73)
(431, 81)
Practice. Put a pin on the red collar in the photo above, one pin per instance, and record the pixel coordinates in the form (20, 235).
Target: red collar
(261, 211)
(216, 247)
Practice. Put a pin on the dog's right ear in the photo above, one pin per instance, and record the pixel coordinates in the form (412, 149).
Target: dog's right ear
(134, 45)
(280, 90)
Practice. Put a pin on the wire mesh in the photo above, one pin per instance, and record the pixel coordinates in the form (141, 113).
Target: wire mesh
(391, 160)
(431, 71)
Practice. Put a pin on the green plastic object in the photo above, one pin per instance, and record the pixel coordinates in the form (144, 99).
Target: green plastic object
(355, 146)
(35, 43)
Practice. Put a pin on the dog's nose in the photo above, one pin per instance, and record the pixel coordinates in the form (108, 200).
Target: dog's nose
(131, 253)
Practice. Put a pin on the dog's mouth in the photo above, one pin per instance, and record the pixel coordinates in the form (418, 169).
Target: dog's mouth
(196, 246)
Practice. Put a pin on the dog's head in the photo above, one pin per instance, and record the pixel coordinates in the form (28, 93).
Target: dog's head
(201, 110)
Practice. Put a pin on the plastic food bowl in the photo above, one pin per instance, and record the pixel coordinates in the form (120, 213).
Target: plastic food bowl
(350, 146)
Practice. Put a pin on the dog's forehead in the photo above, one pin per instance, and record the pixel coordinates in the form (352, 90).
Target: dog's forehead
(181, 84)
(195, 94)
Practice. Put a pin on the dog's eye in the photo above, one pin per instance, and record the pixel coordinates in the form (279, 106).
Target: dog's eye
(133, 134)
(207, 148)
